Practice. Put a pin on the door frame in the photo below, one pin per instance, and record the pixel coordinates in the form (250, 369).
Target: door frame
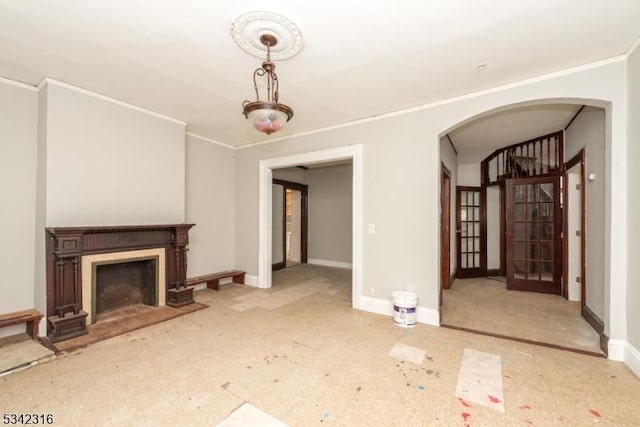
(578, 159)
(482, 269)
(445, 228)
(304, 190)
(353, 152)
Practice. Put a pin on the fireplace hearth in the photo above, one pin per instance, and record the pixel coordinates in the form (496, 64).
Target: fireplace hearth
(94, 270)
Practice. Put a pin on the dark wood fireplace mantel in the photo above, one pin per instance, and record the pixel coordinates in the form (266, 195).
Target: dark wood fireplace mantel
(67, 245)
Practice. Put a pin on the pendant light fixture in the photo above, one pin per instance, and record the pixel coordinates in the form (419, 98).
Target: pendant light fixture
(267, 115)
(266, 34)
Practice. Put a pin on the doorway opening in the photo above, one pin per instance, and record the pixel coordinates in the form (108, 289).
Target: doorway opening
(520, 226)
(445, 229)
(290, 224)
(353, 153)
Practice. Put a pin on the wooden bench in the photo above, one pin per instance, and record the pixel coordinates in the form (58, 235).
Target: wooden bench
(213, 280)
(30, 317)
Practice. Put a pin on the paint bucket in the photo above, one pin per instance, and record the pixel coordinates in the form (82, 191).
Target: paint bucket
(404, 308)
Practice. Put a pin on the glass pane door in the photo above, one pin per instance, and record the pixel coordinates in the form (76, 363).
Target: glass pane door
(468, 232)
(534, 235)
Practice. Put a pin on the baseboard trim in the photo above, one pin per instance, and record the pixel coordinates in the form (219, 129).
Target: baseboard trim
(616, 350)
(598, 325)
(278, 266)
(424, 315)
(632, 358)
(376, 305)
(604, 343)
(251, 280)
(493, 272)
(593, 319)
(328, 263)
(452, 279)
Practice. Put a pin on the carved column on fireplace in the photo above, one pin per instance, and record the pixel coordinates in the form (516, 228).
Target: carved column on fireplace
(178, 294)
(67, 245)
(66, 317)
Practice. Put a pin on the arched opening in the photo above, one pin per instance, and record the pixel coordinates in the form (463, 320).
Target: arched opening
(526, 262)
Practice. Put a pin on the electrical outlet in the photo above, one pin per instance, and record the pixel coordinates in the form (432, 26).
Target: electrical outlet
(371, 228)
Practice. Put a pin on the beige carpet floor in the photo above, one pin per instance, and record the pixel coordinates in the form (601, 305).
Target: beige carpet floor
(486, 305)
(307, 358)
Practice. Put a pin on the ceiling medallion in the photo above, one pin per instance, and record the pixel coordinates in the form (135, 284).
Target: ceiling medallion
(247, 29)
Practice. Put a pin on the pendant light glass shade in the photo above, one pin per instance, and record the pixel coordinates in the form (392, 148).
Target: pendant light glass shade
(267, 116)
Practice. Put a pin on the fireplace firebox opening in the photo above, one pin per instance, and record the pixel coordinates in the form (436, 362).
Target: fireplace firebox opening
(125, 283)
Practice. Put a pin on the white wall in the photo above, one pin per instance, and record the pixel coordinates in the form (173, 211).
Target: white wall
(108, 164)
(400, 150)
(450, 159)
(18, 153)
(210, 204)
(330, 214)
(588, 131)
(633, 196)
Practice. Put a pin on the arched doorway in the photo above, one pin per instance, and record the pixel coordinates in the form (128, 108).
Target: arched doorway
(484, 304)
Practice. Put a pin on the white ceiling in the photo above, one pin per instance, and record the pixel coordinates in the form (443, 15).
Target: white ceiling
(361, 58)
(512, 126)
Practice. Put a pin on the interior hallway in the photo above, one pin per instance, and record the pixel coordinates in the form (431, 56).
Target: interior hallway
(301, 354)
(485, 305)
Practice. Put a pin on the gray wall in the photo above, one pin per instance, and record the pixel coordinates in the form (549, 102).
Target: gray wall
(450, 160)
(400, 164)
(108, 164)
(400, 168)
(72, 159)
(633, 200)
(330, 213)
(18, 153)
(298, 175)
(394, 154)
(493, 227)
(210, 194)
(329, 201)
(588, 131)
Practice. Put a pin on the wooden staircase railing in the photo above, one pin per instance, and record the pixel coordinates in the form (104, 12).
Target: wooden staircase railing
(535, 157)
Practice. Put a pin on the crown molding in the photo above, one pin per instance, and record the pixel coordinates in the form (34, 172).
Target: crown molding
(17, 83)
(213, 141)
(49, 81)
(452, 100)
(633, 47)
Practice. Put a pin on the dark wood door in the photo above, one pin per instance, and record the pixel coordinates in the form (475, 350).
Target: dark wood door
(534, 235)
(469, 251)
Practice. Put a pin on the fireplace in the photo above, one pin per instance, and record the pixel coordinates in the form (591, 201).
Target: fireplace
(115, 280)
(95, 271)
